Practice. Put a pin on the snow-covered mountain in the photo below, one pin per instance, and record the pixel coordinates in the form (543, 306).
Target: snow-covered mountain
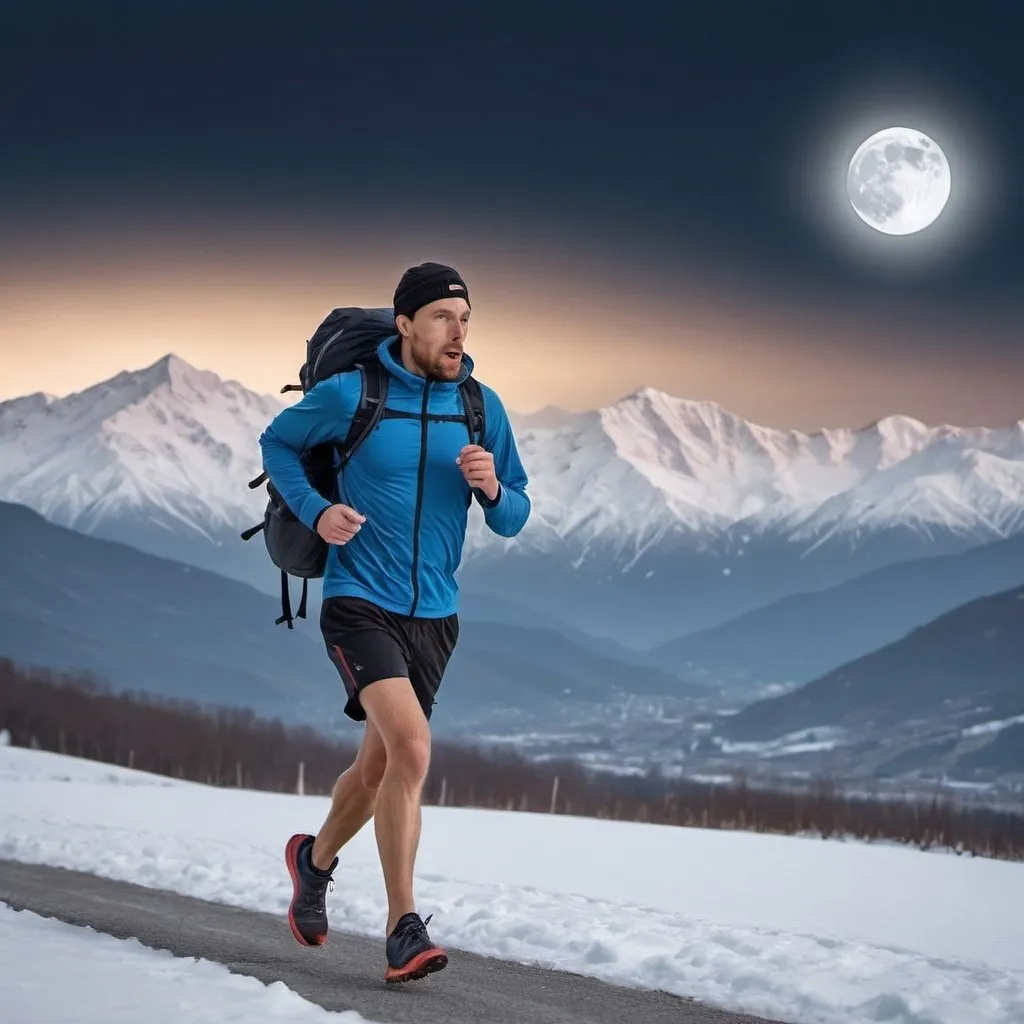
(159, 458)
(653, 517)
(655, 465)
(686, 515)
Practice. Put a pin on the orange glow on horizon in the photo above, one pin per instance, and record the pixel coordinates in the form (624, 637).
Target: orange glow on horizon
(539, 335)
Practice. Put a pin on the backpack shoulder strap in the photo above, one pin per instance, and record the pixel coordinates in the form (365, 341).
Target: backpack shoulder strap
(373, 394)
(473, 403)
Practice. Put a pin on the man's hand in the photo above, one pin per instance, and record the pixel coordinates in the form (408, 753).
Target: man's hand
(477, 467)
(339, 524)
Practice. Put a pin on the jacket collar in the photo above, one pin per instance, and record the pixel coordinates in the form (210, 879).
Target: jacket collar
(389, 353)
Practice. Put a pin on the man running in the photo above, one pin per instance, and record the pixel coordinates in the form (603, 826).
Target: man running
(390, 600)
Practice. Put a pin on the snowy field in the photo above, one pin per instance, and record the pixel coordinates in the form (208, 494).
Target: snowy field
(104, 980)
(804, 930)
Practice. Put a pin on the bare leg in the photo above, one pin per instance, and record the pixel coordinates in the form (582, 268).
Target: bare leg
(393, 708)
(352, 799)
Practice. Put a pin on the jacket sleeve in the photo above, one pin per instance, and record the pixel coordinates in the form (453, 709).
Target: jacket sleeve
(507, 515)
(322, 414)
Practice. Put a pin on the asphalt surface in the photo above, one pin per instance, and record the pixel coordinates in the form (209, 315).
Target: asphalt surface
(346, 973)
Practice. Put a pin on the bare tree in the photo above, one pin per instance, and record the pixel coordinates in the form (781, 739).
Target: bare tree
(78, 715)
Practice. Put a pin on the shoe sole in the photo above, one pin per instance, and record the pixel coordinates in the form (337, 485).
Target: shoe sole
(428, 962)
(290, 855)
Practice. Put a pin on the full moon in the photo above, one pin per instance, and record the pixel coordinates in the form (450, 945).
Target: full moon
(898, 181)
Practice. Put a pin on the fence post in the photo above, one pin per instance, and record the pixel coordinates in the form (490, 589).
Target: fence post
(238, 774)
(554, 795)
(301, 787)
(444, 791)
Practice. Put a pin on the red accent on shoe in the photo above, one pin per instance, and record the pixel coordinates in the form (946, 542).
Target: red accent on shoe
(427, 962)
(291, 852)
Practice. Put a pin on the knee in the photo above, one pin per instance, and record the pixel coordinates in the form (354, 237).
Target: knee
(409, 757)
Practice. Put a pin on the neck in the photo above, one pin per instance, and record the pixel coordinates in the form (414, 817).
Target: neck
(405, 354)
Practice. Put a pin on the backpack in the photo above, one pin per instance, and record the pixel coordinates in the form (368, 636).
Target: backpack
(346, 339)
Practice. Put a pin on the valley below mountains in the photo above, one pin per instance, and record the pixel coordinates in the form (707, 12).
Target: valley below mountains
(941, 707)
(944, 701)
(77, 603)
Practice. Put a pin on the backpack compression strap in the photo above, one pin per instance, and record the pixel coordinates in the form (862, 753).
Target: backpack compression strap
(476, 421)
(371, 405)
(473, 403)
(286, 603)
(368, 412)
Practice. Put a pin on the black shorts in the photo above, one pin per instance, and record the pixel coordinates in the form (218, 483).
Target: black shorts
(365, 642)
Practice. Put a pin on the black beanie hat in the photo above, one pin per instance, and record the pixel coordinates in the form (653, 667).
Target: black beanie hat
(426, 283)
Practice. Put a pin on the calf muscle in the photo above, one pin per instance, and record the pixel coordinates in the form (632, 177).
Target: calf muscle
(391, 706)
(352, 799)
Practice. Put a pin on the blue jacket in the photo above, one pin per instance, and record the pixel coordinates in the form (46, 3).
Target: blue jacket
(403, 479)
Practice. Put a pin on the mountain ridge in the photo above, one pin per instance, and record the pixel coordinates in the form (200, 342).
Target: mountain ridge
(173, 363)
(653, 517)
(802, 636)
(964, 664)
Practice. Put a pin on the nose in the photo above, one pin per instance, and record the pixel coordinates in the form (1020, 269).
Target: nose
(458, 331)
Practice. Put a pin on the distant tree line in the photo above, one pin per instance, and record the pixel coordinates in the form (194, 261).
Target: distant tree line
(79, 715)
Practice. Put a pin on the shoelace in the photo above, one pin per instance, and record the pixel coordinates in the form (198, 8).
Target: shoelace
(415, 928)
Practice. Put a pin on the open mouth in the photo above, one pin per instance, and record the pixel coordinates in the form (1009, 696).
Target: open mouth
(454, 353)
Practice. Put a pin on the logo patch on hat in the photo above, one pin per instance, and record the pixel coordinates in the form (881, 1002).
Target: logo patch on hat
(456, 288)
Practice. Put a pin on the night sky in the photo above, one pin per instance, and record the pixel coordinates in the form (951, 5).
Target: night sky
(638, 194)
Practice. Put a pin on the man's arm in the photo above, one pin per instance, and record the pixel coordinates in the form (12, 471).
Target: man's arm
(510, 510)
(322, 414)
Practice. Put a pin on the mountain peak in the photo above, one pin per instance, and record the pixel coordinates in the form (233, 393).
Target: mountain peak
(171, 362)
(549, 417)
(648, 404)
(14, 409)
(174, 372)
(647, 394)
(169, 359)
(897, 425)
(169, 437)
(172, 375)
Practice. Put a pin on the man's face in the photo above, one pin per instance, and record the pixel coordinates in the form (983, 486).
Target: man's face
(437, 335)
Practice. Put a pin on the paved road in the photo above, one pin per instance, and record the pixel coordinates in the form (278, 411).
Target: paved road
(346, 973)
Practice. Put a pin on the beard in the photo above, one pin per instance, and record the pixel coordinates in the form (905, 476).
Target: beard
(440, 367)
(442, 371)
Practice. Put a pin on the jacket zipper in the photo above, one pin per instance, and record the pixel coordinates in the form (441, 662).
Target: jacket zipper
(419, 500)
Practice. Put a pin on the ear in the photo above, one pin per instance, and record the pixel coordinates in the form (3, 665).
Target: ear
(403, 323)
